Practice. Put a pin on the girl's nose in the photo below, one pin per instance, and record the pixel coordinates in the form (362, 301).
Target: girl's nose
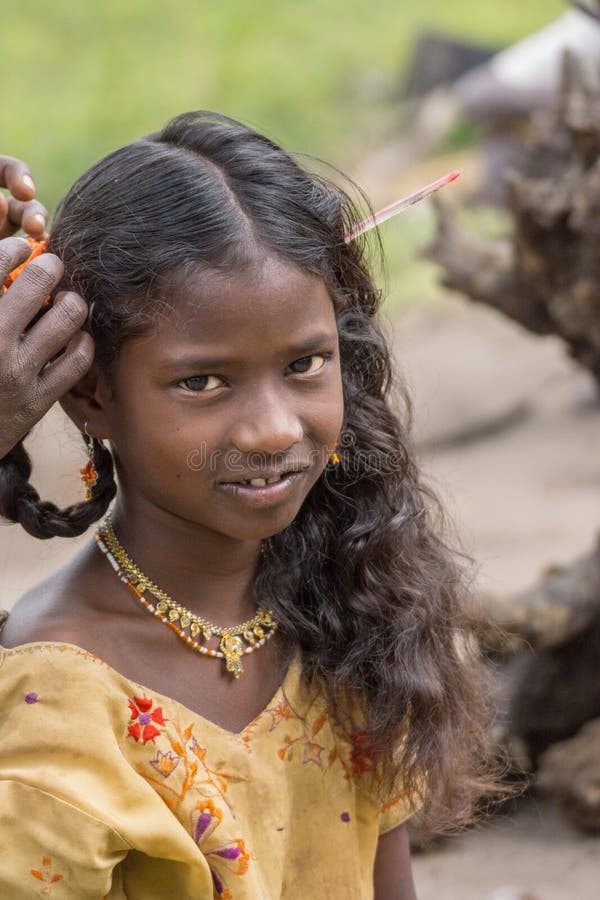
(267, 426)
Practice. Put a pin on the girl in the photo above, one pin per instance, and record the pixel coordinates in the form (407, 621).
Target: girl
(268, 510)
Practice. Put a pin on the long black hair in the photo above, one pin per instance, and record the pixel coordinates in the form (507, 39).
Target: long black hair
(361, 580)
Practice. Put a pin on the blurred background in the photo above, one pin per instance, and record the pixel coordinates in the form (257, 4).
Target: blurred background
(325, 79)
(506, 408)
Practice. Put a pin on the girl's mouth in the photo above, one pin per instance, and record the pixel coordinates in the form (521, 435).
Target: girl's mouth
(259, 492)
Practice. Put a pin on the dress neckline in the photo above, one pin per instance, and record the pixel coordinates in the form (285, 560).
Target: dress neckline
(288, 686)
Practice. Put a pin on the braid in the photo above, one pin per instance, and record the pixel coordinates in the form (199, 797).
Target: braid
(20, 502)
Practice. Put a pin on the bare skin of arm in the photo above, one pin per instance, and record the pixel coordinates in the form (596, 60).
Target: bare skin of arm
(29, 382)
(393, 875)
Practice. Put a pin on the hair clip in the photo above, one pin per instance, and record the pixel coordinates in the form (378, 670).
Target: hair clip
(399, 206)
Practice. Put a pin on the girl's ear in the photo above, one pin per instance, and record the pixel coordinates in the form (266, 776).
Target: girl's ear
(89, 401)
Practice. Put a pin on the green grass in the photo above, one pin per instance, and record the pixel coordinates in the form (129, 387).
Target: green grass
(83, 78)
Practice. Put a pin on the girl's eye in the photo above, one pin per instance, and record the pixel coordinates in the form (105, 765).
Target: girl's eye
(308, 359)
(197, 383)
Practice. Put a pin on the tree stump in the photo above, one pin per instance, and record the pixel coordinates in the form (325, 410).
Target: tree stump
(546, 275)
(571, 772)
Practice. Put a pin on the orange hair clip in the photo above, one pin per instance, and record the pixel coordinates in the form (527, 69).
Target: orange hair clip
(38, 247)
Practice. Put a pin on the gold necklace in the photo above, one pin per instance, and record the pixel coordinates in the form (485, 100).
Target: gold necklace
(187, 625)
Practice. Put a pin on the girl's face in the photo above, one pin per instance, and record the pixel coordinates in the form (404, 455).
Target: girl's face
(241, 380)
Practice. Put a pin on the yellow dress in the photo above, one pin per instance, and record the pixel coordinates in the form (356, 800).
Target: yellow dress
(110, 790)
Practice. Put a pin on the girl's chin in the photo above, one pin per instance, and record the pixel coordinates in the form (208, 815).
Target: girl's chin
(266, 527)
(257, 525)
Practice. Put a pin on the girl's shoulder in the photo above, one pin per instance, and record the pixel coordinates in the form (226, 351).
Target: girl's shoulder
(37, 616)
(60, 608)
(53, 661)
(50, 642)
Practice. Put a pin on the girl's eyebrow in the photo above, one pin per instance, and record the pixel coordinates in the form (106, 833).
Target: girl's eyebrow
(316, 342)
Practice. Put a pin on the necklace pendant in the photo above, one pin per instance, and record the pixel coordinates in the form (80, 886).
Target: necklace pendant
(234, 642)
(231, 647)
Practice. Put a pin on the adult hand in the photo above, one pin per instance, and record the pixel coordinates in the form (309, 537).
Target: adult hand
(21, 209)
(34, 373)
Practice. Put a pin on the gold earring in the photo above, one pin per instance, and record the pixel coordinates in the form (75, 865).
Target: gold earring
(89, 473)
(334, 459)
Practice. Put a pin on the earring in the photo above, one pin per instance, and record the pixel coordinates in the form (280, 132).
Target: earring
(334, 459)
(89, 474)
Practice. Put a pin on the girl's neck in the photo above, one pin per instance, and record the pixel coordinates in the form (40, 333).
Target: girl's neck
(211, 575)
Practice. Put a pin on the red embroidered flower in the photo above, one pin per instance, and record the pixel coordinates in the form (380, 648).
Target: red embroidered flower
(142, 718)
(362, 753)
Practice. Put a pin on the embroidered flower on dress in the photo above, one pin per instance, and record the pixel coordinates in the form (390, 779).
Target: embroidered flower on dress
(197, 750)
(278, 713)
(32, 697)
(45, 874)
(206, 817)
(312, 753)
(165, 763)
(307, 727)
(143, 719)
(362, 753)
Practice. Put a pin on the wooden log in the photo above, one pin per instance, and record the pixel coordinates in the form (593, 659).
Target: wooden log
(554, 692)
(570, 771)
(552, 612)
(546, 277)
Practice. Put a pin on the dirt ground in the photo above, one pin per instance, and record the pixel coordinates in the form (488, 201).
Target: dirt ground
(507, 429)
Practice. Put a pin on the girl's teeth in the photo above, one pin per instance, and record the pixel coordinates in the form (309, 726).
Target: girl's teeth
(261, 482)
